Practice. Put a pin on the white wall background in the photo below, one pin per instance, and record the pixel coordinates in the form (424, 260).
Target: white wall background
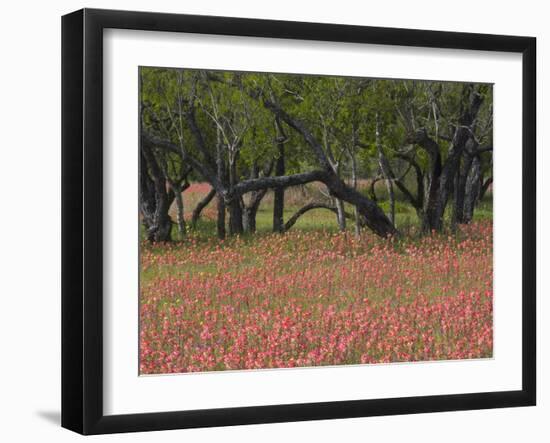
(30, 221)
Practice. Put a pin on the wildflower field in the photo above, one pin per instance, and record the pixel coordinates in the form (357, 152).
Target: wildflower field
(315, 297)
(295, 220)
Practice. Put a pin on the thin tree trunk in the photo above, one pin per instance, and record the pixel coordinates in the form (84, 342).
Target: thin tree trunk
(384, 167)
(431, 180)
(220, 223)
(200, 206)
(182, 228)
(234, 204)
(220, 172)
(250, 211)
(392, 206)
(280, 170)
(357, 227)
(473, 190)
(340, 214)
(456, 202)
(249, 218)
(372, 189)
(340, 217)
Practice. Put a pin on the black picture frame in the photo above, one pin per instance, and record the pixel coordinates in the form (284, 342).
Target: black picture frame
(82, 215)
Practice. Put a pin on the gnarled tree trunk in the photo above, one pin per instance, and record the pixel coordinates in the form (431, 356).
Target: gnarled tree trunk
(155, 198)
(461, 136)
(441, 179)
(431, 185)
(374, 217)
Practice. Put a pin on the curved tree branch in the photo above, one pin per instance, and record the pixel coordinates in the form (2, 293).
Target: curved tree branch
(201, 205)
(375, 218)
(201, 168)
(417, 201)
(301, 129)
(258, 184)
(310, 206)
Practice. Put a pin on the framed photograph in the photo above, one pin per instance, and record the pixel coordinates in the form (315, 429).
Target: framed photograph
(269, 221)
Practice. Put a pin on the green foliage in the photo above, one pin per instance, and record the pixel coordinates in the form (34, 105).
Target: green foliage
(342, 113)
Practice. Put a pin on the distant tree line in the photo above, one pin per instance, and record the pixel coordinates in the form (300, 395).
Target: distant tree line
(248, 133)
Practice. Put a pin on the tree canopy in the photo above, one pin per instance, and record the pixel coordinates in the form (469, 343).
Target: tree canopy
(248, 133)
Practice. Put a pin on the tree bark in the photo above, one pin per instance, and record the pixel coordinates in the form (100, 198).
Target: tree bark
(431, 187)
(235, 216)
(220, 175)
(375, 218)
(220, 221)
(155, 199)
(279, 193)
(384, 167)
(340, 215)
(454, 213)
(460, 191)
(182, 228)
(472, 190)
(251, 210)
(200, 206)
(461, 136)
(249, 219)
(357, 220)
(441, 177)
